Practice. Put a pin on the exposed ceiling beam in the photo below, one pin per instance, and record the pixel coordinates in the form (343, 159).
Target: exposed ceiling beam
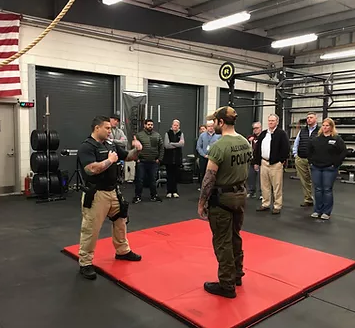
(302, 14)
(157, 3)
(210, 5)
(325, 23)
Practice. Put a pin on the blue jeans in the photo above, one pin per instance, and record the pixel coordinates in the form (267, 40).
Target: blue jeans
(323, 181)
(146, 172)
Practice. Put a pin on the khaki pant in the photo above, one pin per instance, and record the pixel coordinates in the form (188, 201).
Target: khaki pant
(304, 173)
(227, 241)
(105, 204)
(271, 179)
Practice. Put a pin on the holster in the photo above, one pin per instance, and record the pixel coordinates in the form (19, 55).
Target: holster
(215, 202)
(124, 205)
(90, 191)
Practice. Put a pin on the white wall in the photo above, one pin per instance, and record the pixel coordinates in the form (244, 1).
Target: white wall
(74, 52)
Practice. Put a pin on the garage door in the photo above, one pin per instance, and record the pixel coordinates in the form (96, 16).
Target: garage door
(75, 99)
(247, 115)
(177, 101)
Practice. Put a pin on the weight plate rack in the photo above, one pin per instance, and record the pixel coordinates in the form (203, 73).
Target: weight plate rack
(45, 163)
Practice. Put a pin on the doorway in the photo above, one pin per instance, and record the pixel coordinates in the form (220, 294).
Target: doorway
(7, 149)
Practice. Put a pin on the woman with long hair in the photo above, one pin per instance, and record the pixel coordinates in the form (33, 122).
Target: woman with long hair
(326, 153)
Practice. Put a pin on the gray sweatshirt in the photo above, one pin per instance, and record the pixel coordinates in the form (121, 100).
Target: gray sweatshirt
(119, 137)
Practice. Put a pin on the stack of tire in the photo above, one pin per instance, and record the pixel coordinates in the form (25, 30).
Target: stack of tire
(44, 144)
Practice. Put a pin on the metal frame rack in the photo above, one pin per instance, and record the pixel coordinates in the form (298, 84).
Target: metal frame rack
(331, 89)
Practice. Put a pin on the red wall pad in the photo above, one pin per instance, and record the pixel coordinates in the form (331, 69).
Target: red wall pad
(178, 259)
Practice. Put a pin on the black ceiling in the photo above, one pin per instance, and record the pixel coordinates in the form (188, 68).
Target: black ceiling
(132, 18)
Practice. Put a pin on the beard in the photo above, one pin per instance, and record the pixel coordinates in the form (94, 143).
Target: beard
(218, 129)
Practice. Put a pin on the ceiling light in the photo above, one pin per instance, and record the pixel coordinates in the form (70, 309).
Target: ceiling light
(294, 41)
(110, 2)
(339, 54)
(226, 21)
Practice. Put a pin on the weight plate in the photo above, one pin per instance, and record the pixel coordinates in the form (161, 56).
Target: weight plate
(38, 162)
(40, 184)
(54, 161)
(55, 187)
(38, 140)
(53, 140)
(226, 72)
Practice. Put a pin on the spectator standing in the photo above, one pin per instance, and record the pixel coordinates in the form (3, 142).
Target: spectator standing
(148, 161)
(326, 153)
(204, 143)
(173, 143)
(254, 176)
(271, 154)
(300, 153)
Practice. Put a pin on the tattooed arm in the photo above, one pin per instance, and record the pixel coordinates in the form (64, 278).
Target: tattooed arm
(99, 167)
(132, 155)
(207, 185)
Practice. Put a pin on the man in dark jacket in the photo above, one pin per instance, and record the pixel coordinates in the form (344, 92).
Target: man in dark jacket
(254, 176)
(174, 141)
(271, 154)
(300, 152)
(148, 161)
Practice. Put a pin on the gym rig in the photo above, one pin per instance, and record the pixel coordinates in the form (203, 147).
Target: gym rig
(292, 88)
(45, 163)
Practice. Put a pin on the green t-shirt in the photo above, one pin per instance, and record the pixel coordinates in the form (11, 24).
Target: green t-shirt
(232, 154)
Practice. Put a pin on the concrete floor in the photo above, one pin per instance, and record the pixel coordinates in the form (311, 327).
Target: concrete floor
(40, 287)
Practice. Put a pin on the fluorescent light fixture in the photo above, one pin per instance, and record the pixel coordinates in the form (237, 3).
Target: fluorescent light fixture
(294, 41)
(226, 21)
(110, 2)
(339, 54)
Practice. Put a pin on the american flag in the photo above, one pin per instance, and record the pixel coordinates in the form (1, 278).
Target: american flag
(10, 83)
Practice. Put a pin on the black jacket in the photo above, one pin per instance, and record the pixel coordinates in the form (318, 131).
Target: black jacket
(279, 148)
(327, 151)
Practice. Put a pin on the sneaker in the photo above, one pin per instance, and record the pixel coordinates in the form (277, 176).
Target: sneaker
(169, 195)
(129, 257)
(325, 217)
(176, 195)
(155, 199)
(216, 289)
(136, 200)
(88, 272)
(315, 215)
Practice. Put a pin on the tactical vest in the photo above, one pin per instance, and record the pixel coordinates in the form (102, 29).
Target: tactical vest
(305, 138)
(107, 179)
(173, 156)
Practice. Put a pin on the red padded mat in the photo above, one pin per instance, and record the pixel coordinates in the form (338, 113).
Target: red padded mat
(178, 259)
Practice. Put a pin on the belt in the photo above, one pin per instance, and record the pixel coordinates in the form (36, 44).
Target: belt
(266, 160)
(235, 188)
(107, 188)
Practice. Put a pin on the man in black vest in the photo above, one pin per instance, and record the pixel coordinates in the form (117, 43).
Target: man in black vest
(300, 152)
(173, 143)
(101, 198)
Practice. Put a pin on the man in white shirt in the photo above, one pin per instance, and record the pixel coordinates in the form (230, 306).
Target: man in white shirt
(270, 156)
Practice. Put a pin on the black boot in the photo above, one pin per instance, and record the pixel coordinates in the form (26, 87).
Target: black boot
(88, 272)
(238, 282)
(129, 257)
(216, 289)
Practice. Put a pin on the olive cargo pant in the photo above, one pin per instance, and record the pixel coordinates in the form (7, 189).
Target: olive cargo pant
(105, 204)
(227, 242)
(304, 173)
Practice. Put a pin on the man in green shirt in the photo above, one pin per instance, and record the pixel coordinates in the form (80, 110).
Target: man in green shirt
(224, 192)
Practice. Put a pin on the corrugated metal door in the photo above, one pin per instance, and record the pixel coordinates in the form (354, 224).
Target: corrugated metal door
(75, 99)
(247, 115)
(177, 101)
